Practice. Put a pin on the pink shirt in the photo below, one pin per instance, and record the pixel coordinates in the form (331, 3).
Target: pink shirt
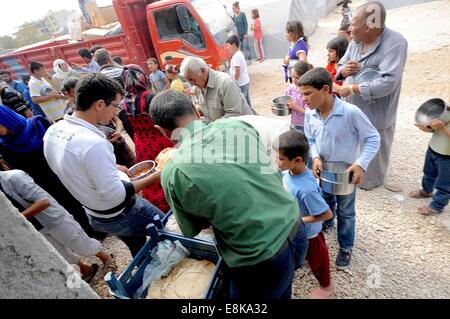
(257, 31)
(297, 118)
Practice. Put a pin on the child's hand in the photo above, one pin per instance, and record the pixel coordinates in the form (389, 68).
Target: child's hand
(437, 124)
(316, 166)
(357, 174)
(424, 128)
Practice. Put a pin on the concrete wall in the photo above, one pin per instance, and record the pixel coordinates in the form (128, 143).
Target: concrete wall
(29, 266)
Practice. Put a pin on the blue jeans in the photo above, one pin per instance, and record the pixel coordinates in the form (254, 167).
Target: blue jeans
(246, 93)
(270, 279)
(343, 206)
(436, 174)
(131, 222)
(245, 47)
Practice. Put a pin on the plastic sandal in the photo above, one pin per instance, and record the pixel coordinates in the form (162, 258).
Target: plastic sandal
(420, 193)
(88, 278)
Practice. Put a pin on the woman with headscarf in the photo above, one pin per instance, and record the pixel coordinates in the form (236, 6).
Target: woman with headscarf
(62, 72)
(21, 146)
(148, 141)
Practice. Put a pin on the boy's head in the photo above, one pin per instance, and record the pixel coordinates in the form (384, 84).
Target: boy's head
(38, 69)
(232, 44)
(292, 148)
(315, 87)
(69, 87)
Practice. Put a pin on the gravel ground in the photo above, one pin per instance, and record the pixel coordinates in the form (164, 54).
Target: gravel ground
(398, 253)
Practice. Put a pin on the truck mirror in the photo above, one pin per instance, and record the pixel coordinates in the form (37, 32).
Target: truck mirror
(183, 17)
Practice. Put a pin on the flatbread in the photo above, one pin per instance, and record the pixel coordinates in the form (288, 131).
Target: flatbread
(165, 156)
(188, 280)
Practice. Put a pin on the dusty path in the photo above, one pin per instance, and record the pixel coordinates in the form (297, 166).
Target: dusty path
(398, 253)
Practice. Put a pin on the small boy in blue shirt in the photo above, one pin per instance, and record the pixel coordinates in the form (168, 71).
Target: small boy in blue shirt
(292, 151)
(338, 131)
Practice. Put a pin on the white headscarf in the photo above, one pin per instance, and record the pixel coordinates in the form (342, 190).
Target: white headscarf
(59, 73)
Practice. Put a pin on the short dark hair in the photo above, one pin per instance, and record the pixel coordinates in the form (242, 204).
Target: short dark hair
(154, 60)
(292, 144)
(26, 78)
(233, 40)
(34, 66)
(4, 71)
(85, 53)
(255, 13)
(94, 87)
(236, 4)
(296, 28)
(117, 59)
(168, 107)
(317, 78)
(301, 67)
(339, 44)
(95, 48)
(70, 83)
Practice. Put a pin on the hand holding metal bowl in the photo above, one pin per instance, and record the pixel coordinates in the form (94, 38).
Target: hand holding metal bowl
(142, 170)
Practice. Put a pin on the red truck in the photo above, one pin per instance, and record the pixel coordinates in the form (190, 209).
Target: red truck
(168, 30)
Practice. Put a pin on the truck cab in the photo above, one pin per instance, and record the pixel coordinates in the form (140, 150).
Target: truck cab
(171, 30)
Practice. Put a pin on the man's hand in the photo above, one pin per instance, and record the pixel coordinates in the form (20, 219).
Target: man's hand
(114, 137)
(316, 166)
(357, 174)
(437, 124)
(123, 169)
(424, 128)
(345, 91)
(351, 67)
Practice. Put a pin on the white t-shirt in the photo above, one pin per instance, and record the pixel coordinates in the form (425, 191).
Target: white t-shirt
(238, 59)
(84, 161)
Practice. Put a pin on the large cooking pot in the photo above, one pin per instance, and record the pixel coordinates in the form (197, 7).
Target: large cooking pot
(280, 105)
(430, 110)
(334, 179)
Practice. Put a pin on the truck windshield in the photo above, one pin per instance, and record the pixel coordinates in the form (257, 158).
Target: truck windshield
(216, 18)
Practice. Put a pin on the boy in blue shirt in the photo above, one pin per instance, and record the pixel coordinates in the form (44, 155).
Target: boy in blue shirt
(292, 155)
(337, 131)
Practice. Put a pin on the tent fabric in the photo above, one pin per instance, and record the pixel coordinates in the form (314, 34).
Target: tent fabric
(275, 14)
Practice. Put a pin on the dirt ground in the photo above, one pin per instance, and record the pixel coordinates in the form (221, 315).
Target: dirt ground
(398, 253)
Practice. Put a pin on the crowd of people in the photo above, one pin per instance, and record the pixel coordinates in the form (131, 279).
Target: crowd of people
(65, 162)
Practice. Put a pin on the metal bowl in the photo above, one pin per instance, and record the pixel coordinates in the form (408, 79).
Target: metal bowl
(291, 67)
(430, 110)
(335, 180)
(281, 112)
(367, 75)
(145, 165)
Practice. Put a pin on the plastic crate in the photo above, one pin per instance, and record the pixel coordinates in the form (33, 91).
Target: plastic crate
(165, 231)
(129, 281)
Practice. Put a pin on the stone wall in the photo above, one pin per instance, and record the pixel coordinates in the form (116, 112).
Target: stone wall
(30, 266)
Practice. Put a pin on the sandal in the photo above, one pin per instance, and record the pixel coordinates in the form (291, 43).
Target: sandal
(110, 265)
(420, 193)
(88, 277)
(426, 210)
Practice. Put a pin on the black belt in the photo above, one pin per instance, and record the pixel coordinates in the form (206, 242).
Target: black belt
(291, 236)
(436, 153)
(123, 205)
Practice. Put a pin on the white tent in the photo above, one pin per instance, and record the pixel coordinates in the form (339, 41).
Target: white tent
(275, 14)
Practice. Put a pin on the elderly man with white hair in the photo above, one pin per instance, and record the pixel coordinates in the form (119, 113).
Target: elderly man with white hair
(222, 96)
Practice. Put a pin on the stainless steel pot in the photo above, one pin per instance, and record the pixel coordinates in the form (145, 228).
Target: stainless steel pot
(280, 105)
(335, 180)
